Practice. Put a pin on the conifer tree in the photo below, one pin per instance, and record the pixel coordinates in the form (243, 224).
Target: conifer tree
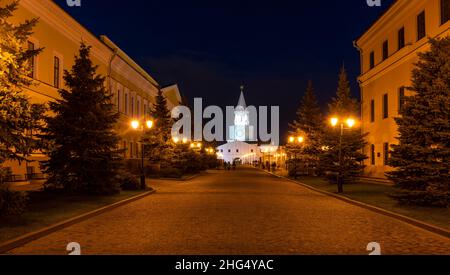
(83, 156)
(158, 141)
(162, 116)
(19, 119)
(343, 106)
(309, 123)
(422, 157)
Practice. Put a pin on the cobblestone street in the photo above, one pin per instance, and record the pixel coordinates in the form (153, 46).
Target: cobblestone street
(239, 212)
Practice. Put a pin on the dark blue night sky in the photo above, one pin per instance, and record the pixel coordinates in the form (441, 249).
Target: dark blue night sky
(211, 47)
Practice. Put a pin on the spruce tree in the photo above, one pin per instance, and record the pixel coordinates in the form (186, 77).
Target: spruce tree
(309, 123)
(162, 116)
(343, 106)
(19, 120)
(158, 141)
(422, 157)
(83, 155)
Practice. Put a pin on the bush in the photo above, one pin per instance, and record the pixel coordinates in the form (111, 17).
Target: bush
(129, 182)
(170, 172)
(12, 203)
(422, 198)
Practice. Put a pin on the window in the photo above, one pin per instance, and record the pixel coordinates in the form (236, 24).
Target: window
(145, 111)
(252, 151)
(132, 106)
(126, 104)
(56, 72)
(401, 38)
(421, 26)
(229, 151)
(372, 60)
(138, 108)
(385, 106)
(31, 170)
(221, 150)
(372, 154)
(401, 99)
(118, 100)
(31, 47)
(372, 111)
(131, 150)
(385, 50)
(445, 11)
(237, 150)
(386, 153)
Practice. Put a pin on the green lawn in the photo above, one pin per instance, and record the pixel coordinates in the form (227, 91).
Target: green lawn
(378, 195)
(46, 209)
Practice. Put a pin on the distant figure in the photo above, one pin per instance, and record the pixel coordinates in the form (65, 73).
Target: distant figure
(234, 165)
(274, 167)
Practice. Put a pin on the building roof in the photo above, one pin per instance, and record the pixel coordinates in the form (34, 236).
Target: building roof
(242, 102)
(378, 19)
(105, 40)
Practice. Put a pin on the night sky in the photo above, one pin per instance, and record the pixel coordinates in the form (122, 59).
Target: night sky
(211, 47)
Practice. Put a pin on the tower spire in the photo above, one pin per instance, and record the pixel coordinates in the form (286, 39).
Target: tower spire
(242, 102)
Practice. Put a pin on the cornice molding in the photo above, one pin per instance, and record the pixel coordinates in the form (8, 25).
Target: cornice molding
(52, 14)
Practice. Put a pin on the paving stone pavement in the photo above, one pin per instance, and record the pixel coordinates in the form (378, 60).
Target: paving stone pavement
(239, 212)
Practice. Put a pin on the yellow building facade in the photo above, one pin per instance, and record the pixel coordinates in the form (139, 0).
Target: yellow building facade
(60, 35)
(388, 51)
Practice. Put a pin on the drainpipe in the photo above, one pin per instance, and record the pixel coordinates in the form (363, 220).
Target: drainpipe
(114, 54)
(355, 44)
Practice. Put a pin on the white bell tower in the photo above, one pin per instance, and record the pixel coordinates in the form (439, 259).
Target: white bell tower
(241, 130)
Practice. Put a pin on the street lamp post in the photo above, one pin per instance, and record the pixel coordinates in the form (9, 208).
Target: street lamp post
(138, 126)
(296, 141)
(350, 123)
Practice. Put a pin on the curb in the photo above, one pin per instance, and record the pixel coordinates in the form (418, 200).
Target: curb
(23, 240)
(422, 225)
(191, 177)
